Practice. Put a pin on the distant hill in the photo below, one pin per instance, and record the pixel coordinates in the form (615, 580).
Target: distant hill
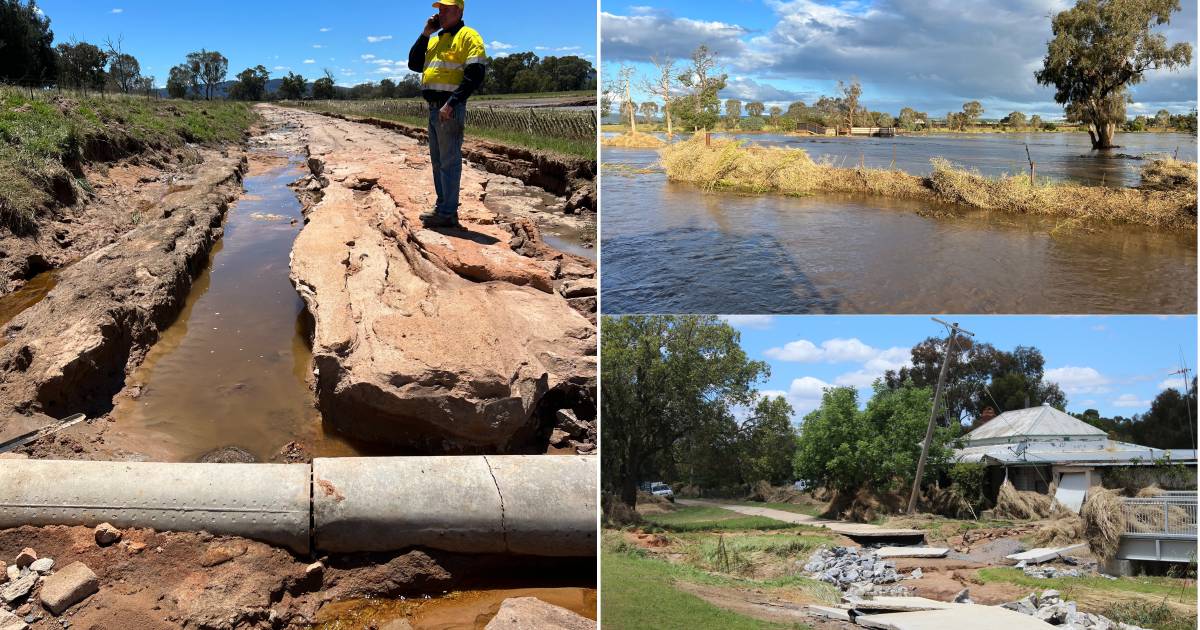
(221, 90)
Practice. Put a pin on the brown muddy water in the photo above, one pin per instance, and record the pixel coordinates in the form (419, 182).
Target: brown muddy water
(465, 609)
(231, 370)
(31, 293)
(673, 248)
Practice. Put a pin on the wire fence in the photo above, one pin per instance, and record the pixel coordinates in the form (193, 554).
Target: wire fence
(579, 125)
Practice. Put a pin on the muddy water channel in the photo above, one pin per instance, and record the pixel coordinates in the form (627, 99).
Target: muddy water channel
(452, 611)
(673, 248)
(231, 370)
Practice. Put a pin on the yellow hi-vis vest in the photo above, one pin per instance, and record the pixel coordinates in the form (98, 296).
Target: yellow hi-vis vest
(448, 55)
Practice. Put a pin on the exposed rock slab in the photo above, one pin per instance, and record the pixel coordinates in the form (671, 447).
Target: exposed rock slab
(70, 352)
(438, 341)
(531, 613)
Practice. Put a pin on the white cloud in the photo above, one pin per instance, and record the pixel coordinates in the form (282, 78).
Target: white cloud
(1079, 380)
(281, 68)
(310, 61)
(118, 10)
(1129, 400)
(498, 45)
(374, 39)
(801, 350)
(1174, 382)
(325, 29)
(317, 46)
(382, 62)
(772, 393)
(839, 350)
(757, 322)
(805, 394)
(367, 56)
(857, 379)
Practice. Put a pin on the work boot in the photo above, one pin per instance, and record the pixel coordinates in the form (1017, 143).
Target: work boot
(437, 219)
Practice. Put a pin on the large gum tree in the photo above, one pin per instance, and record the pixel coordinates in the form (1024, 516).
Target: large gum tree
(1101, 47)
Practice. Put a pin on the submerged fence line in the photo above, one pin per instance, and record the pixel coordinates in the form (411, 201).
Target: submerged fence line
(579, 125)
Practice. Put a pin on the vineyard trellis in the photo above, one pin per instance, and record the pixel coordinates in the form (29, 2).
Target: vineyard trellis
(548, 122)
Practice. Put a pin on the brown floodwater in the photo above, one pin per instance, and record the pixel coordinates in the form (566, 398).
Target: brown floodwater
(462, 609)
(34, 290)
(232, 369)
(672, 248)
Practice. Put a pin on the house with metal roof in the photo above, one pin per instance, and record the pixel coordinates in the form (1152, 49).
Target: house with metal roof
(1040, 447)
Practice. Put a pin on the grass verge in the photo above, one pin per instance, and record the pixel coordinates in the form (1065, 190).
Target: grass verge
(1165, 200)
(712, 519)
(539, 142)
(1171, 588)
(44, 140)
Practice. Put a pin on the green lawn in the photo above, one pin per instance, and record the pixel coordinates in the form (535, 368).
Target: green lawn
(638, 593)
(1172, 588)
(711, 519)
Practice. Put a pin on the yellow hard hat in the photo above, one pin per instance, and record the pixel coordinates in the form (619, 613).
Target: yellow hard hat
(450, 3)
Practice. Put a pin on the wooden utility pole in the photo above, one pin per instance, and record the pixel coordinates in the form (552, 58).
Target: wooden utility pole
(937, 399)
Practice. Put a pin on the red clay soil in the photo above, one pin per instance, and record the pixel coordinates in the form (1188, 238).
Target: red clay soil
(152, 580)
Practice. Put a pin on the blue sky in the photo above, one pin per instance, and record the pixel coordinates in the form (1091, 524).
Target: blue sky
(353, 39)
(1114, 364)
(933, 55)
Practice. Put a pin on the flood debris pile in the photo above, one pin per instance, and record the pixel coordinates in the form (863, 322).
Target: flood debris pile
(633, 140)
(1051, 608)
(858, 569)
(1165, 200)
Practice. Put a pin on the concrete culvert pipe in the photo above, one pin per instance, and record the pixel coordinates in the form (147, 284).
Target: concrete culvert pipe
(522, 504)
(267, 502)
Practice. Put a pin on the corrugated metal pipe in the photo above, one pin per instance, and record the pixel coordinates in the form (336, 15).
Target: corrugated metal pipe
(520, 504)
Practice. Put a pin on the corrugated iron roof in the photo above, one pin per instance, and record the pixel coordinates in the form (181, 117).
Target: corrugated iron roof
(1110, 453)
(1044, 421)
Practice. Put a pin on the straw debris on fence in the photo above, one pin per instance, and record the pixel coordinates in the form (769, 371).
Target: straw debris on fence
(1165, 200)
(633, 141)
(1103, 522)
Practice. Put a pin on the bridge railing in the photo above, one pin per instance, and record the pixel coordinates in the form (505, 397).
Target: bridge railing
(1171, 515)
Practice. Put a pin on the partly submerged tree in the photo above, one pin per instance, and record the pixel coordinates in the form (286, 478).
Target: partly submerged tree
(733, 112)
(700, 107)
(971, 112)
(662, 86)
(1100, 48)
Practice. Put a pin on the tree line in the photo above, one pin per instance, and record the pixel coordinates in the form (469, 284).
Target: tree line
(30, 58)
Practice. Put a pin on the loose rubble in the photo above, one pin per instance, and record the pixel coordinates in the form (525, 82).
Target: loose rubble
(860, 568)
(106, 534)
(1051, 608)
(69, 586)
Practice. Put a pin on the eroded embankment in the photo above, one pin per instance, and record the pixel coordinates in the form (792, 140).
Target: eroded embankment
(477, 340)
(1166, 199)
(573, 178)
(70, 352)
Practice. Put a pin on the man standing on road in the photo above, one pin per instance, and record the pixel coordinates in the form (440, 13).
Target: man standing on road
(452, 67)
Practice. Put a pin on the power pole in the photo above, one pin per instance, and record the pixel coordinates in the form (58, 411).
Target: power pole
(1187, 393)
(937, 399)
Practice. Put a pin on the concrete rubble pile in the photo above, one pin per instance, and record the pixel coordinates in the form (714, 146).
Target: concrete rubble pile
(856, 568)
(31, 581)
(1051, 608)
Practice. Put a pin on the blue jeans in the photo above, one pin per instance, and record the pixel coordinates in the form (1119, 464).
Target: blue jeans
(445, 152)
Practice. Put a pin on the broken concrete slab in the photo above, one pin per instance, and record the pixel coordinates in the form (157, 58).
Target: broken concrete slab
(9, 621)
(1043, 554)
(19, 588)
(840, 614)
(961, 616)
(912, 552)
(899, 604)
(69, 586)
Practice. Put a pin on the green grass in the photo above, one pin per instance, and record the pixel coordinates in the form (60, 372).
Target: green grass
(1168, 587)
(40, 138)
(638, 593)
(712, 519)
(1146, 614)
(810, 510)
